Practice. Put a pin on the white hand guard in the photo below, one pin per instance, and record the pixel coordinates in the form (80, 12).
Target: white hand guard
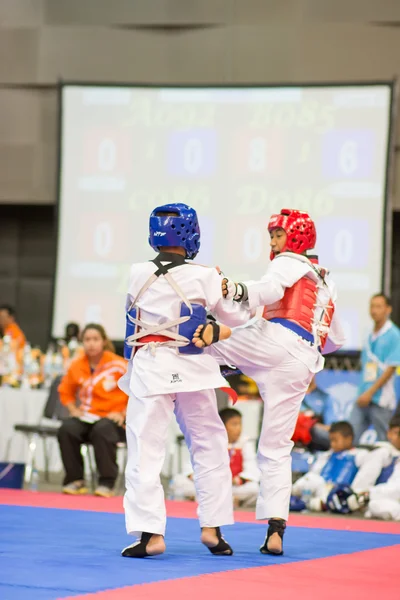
(235, 291)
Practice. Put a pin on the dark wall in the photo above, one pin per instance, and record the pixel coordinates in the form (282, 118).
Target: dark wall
(396, 268)
(27, 263)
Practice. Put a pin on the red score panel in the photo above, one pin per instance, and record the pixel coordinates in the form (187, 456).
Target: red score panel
(107, 151)
(104, 236)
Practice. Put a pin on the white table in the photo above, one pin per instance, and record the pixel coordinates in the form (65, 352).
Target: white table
(24, 406)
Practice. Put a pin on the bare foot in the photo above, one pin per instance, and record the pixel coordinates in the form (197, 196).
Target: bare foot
(275, 543)
(155, 545)
(207, 335)
(224, 334)
(150, 544)
(209, 538)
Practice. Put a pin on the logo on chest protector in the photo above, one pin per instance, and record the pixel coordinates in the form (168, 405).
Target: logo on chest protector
(176, 378)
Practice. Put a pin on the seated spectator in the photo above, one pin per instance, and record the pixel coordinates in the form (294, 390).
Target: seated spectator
(245, 473)
(338, 466)
(384, 498)
(9, 327)
(310, 429)
(99, 416)
(375, 471)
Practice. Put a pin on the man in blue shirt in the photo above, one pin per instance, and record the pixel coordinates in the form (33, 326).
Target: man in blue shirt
(379, 358)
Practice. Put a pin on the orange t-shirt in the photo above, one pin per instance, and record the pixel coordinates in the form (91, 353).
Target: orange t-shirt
(16, 334)
(98, 392)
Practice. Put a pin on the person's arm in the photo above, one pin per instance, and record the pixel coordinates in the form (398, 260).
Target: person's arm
(67, 390)
(282, 273)
(232, 314)
(322, 459)
(391, 361)
(366, 397)
(370, 470)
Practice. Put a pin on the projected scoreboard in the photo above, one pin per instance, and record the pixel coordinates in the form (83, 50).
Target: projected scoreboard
(237, 155)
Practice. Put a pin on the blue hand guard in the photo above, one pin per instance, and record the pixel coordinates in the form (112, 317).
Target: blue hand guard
(187, 329)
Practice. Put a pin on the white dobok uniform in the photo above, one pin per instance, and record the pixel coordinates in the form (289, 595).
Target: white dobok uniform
(282, 364)
(183, 485)
(378, 459)
(160, 381)
(384, 500)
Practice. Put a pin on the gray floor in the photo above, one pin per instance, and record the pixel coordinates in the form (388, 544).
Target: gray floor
(55, 485)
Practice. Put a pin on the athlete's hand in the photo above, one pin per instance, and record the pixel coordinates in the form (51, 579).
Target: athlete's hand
(365, 399)
(117, 418)
(234, 291)
(228, 289)
(74, 410)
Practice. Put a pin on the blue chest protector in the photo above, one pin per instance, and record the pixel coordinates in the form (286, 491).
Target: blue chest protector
(386, 472)
(191, 315)
(340, 469)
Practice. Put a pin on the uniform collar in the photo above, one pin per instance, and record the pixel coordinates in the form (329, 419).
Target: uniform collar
(382, 330)
(171, 257)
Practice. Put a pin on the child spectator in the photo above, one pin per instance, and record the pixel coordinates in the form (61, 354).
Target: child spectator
(375, 480)
(337, 466)
(243, 463)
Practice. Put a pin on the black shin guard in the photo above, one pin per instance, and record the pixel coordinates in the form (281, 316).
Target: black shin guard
(138, 549)
(275, 526)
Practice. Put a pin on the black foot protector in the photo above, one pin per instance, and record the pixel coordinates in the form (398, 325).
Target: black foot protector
(138, 549)
(222, 548)
(275, 526)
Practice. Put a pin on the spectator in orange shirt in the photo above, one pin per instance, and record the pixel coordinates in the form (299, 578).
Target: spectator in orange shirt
(9, 327)
(99, 416)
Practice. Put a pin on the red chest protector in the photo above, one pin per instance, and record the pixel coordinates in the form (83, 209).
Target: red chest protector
(299, 304)
(236, 463)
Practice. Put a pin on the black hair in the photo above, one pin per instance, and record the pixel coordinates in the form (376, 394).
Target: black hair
(394, 422)
(72, 330)
(342, 427)
(229, 413)
(386, 298)
(10, 309)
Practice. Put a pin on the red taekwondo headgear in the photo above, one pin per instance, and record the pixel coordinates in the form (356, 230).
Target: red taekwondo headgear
(299, 228)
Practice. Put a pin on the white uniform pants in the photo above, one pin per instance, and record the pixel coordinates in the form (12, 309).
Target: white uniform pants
(384, 501)
(148, 420)
(283, 381)
(246, 493)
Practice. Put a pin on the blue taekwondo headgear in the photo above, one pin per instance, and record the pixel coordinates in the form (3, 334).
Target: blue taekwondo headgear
(180, 229)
